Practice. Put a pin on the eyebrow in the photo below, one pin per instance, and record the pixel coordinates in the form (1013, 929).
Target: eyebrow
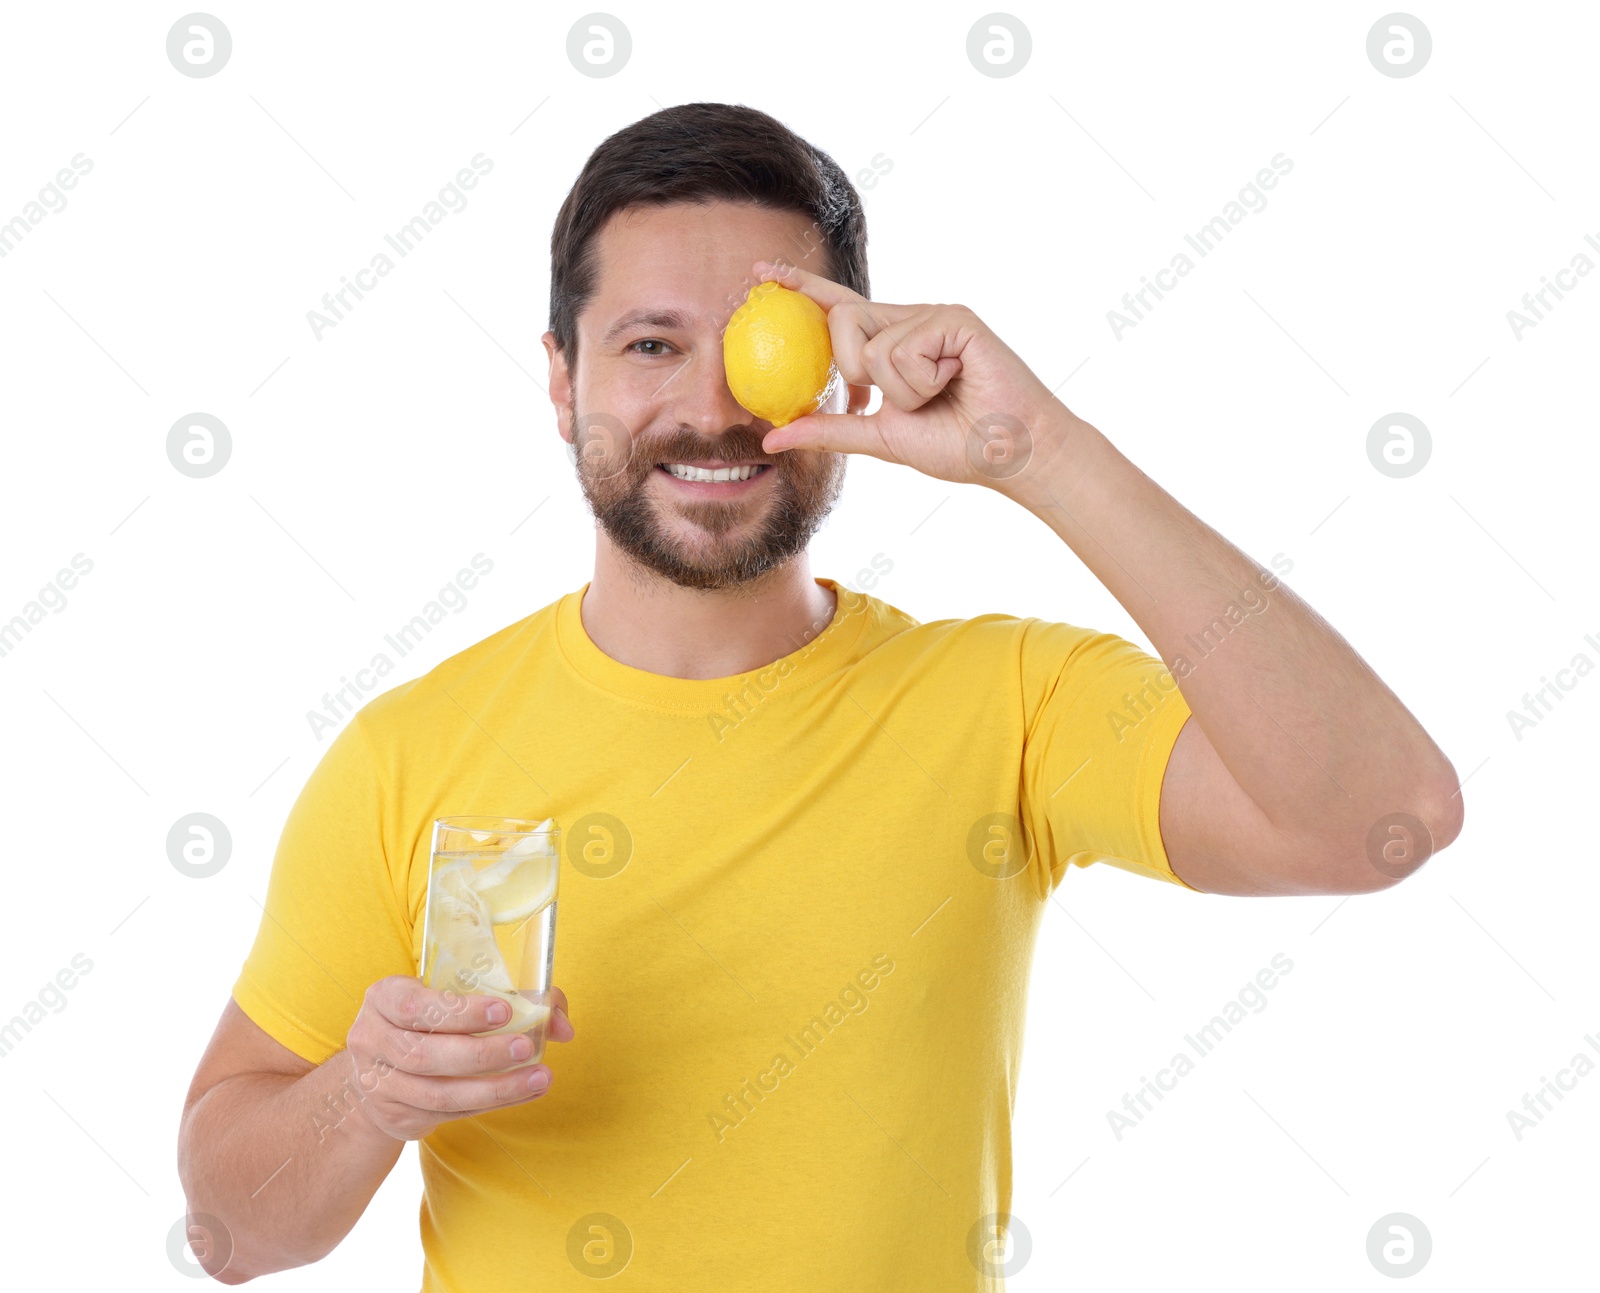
(649, 318)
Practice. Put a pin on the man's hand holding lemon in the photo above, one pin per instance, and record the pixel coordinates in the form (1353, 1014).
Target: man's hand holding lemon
(958, 403)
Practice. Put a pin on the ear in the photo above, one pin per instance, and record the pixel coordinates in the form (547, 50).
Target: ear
(560, 386)
(860, 397)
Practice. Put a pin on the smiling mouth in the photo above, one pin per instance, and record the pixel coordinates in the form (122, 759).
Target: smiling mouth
(708, 474)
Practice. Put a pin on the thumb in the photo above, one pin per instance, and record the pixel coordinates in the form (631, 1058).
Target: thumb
(832, 432)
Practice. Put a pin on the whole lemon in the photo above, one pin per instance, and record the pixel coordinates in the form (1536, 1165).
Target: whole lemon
(777, 356)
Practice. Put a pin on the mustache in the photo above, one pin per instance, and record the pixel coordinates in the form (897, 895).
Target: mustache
(737, 444)
(608, 457)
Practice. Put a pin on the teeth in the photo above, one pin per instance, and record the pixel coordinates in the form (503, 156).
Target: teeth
(683, 472)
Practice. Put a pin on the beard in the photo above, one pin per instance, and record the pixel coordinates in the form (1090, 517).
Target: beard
(724, 549)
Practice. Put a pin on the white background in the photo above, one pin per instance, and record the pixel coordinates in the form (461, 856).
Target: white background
(370, 465)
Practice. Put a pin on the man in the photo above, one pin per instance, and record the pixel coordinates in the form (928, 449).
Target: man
(809, 839)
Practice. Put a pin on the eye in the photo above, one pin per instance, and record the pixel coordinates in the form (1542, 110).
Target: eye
(649, 341)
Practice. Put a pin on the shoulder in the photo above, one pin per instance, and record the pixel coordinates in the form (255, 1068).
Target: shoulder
(980, 656)
(992, 638)
(464, 678)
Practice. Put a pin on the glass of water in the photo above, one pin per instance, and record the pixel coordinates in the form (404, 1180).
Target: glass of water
(490, 922)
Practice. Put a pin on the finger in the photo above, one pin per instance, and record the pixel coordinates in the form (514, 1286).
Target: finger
(409, 1004)
(832, 432)
(535, 1082)
(528, 1097)
(824, 291)
(927, 353)
(453, 1055)
(454, 1096)
(851, 328)
(898, 365)
(828, 294)
(917, 359)
(561, 1029)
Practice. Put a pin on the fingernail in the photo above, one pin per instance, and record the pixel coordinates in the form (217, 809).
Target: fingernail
(538, 1080)
(499, 1012)
(521, 1047)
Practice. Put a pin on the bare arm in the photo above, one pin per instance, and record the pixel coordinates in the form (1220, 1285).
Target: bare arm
(1300, 771)
(287, 1155)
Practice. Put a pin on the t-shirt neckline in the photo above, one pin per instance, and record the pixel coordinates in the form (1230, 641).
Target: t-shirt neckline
(823, 654)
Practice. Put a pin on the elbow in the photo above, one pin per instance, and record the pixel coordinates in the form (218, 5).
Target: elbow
(1447, 814)
(216, 1250)
(1399, 843)
(1368, 855)
(234, 1272)
(228, 1254)
(208, 1244)
(1442, 807)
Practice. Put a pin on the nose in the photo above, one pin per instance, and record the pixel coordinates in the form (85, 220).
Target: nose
(700, 396)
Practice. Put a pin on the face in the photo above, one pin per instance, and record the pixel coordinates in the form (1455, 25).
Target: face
(649, 393)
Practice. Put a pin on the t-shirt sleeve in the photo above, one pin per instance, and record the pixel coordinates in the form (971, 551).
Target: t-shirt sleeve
(332, 923)
(1102, 716)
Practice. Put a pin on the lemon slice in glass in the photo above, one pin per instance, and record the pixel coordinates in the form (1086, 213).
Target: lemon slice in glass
(464, 956)
(519, 891)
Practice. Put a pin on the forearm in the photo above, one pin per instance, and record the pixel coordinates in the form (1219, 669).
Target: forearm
(1307, 729)
(287, 1164)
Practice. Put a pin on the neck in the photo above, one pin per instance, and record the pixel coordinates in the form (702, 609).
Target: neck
(646, 622)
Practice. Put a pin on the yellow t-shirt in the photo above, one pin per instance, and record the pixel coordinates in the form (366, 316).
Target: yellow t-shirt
(796, 918)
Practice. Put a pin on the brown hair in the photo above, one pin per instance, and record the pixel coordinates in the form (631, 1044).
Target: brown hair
(701, 152)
